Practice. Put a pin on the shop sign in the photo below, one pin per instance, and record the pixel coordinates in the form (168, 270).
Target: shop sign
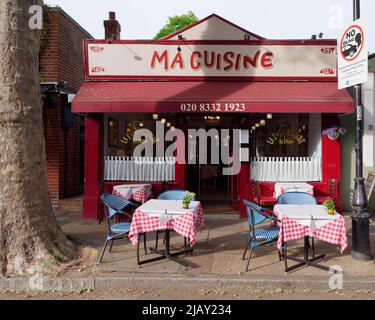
(352, 55)
(126, 60)
(286, 137)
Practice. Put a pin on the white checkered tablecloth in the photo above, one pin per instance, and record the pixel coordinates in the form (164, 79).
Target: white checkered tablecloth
(299, 221)
(283, 187)
(139, 193)
(151, 217)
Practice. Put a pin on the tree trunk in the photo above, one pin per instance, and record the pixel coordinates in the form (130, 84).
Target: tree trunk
(30, 238)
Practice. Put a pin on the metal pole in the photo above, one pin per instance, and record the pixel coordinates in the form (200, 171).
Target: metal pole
(360, 218)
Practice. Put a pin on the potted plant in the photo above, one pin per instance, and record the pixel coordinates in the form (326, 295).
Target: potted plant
(329, 204)
(188, 197)
(334, 133)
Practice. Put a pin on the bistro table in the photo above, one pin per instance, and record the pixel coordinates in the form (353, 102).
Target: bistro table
(283, 187)
(137, 192)
(167, 215)
(304, 221)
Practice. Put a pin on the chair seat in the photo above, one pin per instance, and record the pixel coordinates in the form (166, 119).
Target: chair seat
(265, 200)
(121, 227)
(267, 233)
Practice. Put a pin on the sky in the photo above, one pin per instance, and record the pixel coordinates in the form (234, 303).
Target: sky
(273, 19)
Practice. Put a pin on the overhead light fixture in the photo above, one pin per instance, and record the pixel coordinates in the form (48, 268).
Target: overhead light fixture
(141, 124)
(257, 125)
(269, 116)
(155, 116)
(168, 124)
(253, 128)
(173, 128)
(262, 122)
(163, 120)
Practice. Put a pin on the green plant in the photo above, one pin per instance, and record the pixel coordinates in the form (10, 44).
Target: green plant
(329, 204)
(188, 197)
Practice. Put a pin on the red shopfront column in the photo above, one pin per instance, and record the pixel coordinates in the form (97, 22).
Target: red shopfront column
(331, 154)
(93, 165)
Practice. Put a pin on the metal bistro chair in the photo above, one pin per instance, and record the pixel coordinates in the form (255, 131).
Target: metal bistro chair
(177, 194)
(298, 198)
(116, 206)
(260, 235)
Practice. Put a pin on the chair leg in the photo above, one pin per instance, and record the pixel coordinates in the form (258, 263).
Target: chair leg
(185, 242)
(144, 243)
(251, 252)
(247, 248)
(110, 248)
(103, 251)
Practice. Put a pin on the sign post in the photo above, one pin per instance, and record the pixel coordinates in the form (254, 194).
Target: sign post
(352, 71)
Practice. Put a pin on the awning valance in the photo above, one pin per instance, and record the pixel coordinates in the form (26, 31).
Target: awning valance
(277, 97)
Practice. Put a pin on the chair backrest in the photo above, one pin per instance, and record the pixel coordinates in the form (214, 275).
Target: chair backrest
(255, 189)
(114, 204)
(177, 194)
(254, 213)
(332, 187)
(296, 198)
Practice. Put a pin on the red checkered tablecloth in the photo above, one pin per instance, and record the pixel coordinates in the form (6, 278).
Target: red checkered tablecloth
(183, 224)
(333, 231)
(140, 194)
(283, 187)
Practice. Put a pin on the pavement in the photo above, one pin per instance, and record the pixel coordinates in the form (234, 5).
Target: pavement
(215, 265)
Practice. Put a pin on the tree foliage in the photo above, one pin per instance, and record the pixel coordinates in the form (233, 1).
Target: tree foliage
(176, 23)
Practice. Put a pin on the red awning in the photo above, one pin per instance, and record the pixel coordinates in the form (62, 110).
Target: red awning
(302, 97)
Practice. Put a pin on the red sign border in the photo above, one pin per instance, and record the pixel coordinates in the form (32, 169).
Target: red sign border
(88, 77)
(363, 41)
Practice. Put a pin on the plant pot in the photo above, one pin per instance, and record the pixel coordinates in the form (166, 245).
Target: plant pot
(185, 205)
(331, 211)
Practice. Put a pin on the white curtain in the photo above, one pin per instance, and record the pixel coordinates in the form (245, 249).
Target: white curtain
(139, 169)
(286, 169)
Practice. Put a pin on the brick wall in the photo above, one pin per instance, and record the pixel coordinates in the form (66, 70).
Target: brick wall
(62, 60)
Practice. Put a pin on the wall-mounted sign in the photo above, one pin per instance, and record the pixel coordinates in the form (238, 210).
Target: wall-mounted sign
(124, 60)
(286, 136)
(352, 55)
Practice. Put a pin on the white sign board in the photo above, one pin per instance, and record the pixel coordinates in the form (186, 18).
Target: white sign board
(352, 55)
(274, 59)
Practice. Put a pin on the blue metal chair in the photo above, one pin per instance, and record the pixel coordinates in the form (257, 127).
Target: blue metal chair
(117, 206)
(298, 198)
(259, 235)
(176, 194)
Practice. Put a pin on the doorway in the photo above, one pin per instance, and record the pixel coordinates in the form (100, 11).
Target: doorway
(207, 181)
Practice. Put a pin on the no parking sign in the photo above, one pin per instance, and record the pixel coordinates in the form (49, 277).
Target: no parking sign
(352, 55)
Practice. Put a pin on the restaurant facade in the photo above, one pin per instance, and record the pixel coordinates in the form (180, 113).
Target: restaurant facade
(276, 98)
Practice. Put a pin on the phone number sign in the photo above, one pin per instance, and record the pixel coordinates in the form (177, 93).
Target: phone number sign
(352, 55)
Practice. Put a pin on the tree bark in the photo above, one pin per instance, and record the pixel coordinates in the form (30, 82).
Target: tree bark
(30, 238)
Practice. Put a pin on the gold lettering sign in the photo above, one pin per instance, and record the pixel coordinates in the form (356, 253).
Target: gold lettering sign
(128, 138)
(286, 136)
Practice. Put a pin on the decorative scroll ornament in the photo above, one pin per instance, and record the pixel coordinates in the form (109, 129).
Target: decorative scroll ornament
(327, 71)
(97, 49)
(97, 69)
(327, 50)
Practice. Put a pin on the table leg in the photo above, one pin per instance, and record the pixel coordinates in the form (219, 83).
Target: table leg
(306, 261)
(166, 254)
